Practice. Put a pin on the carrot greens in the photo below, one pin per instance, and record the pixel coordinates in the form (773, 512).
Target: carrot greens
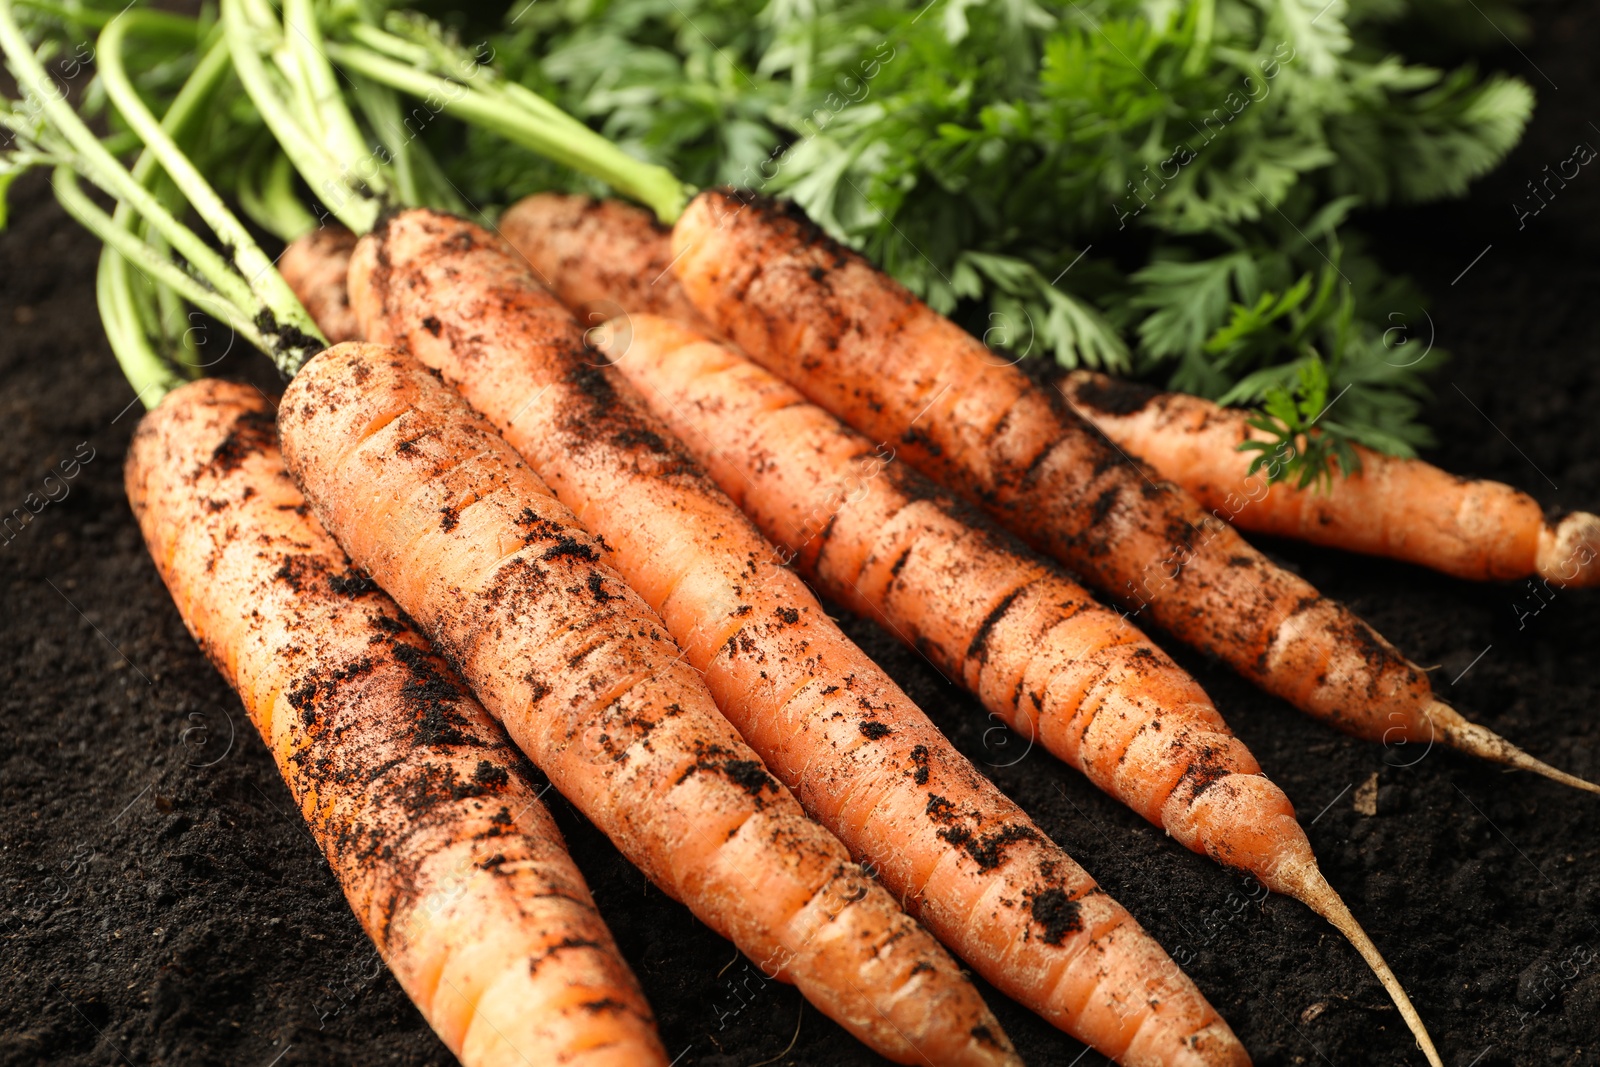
(1126, 184)
(140, 306)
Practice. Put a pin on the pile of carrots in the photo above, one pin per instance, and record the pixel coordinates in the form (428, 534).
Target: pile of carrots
(474, 535)
(610, 555)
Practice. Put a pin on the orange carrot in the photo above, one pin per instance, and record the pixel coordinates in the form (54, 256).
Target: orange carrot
(1401, 508)
(861, 757)
(1030, 643)
(857, 343)
(424, 810)
(599, 257)
(315, 266)
(425, 496)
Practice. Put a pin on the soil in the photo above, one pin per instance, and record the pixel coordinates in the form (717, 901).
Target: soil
(161, 902)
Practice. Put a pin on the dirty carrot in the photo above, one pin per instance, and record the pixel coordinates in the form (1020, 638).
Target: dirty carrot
(424, 810)
(861, 757)
(599, 257)
(437, 508)
(315, 266)
(1400, 508)
(857, 343)
(1033, 645)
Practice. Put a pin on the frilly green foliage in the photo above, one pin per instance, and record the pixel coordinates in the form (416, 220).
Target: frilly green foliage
(1192, 163)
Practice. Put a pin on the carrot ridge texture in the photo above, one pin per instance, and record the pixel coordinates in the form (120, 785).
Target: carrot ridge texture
(436, 506)
(855, 750)
(817, 315)
(1013, 630)
(424, 810)
(1029, 642)
(1404, 509)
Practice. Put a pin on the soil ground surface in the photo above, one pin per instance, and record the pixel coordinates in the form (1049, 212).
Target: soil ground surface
(161, 901)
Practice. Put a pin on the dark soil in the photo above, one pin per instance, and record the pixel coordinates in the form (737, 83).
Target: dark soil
(161, 902)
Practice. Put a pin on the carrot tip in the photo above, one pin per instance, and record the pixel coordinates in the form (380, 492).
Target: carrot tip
(1476, 740)
(1568, 554)
(1306, 884)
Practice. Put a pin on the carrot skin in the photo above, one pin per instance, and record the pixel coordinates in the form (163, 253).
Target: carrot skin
(422, 807)
(854, 749)
(816, 313)
(967, 598)
(316, 265)
(1030, 643)
(1400, 508)
(556, 236)
(437, 507)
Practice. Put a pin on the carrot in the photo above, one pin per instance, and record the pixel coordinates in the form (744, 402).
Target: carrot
(315, 266)
(1030, 643)
(858, 344)
(420, 803)
(558, 234)
(861, 757)
(1401, 508)
(425, 496)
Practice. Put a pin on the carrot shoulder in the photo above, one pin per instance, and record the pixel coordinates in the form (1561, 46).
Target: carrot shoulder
(421, 805)
(599, 257)
(315, 266)
(857, 752)
(425, 496)
(858, 344)
(1401, 508)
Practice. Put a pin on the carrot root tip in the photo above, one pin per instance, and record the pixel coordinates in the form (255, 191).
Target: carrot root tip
(1305, 882)
(1569, 554)
(1480, 741)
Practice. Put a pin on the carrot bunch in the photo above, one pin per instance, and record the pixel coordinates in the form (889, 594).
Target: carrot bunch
(499, 947)
(607, 536)
(814, 313)
(428, 816)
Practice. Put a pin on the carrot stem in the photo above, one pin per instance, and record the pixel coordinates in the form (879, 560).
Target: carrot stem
(261, 284)
(151, 376)
(92, 159)
(303, 40)
(167, 319)
(271, 203)
(353, 199)
(1480, 741)
(1306, 884)
(525, 118)
(137, 251)
(127, 325)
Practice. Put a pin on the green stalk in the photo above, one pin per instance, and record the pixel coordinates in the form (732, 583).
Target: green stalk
(261, 281)
(272, 203)
(382, 109)
(158, 21)
(351, 202)
(97, 163)
(149, 260)
(169, 318)
(304, 37)
(1205, 18)
(151, 376)
(528, 119)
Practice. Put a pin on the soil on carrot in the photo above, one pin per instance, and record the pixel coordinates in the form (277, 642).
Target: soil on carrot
(162, 902)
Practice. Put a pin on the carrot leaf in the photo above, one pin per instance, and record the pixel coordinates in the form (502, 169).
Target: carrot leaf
(1072, 181)
(1296, 448)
